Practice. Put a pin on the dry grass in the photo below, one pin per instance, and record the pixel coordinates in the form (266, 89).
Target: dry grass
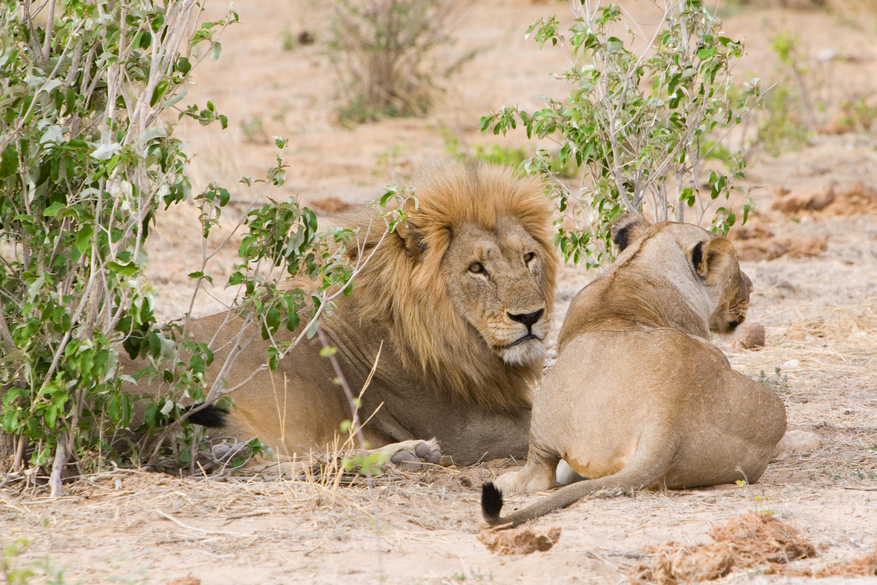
(747, 541)
(861, 566)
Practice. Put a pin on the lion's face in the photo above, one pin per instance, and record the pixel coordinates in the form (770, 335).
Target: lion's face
(496, 280)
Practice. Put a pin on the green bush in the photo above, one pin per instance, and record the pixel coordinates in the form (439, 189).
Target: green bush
(385, 55)
(637, 122)
(505, 155)
(86, 158)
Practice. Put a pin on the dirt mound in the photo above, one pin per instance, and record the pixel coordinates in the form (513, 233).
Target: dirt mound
(329, 205)
(865, 566)
(745, 541)
(839, 200)
(755, 241)
(522, 540)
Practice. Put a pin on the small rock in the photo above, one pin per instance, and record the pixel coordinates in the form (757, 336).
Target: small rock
(749, 336)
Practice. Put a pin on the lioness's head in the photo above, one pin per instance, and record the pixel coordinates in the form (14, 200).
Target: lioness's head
(711, 259)
(466, 283)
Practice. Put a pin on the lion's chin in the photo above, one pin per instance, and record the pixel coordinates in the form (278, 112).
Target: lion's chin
(524, 354)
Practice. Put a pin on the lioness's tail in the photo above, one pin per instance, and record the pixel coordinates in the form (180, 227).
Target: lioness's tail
(646, 466)
(491, 503)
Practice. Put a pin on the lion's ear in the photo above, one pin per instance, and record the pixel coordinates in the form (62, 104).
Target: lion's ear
(410, 234)
(712, 259)
(628, 228)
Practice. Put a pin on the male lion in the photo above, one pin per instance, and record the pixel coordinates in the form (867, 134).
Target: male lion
(638, 396)
(460, 296)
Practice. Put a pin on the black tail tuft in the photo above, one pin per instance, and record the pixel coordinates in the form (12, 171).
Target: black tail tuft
(211, 416)
(491, 503)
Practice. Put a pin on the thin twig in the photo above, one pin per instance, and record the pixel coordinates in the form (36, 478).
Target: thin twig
(192, 528)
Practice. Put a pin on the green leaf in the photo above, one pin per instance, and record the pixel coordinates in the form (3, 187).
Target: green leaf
(196, 364)
(215, 50)
(53, 209)
(158, 93)
(614, 45)
(183, 65)
(127, 269)
(8, 162)
(272, 318)
(84, 238)
(705, 54)
(151, 414)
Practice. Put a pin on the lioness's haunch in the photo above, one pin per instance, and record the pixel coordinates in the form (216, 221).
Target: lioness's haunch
(460, 296)
(638, 396)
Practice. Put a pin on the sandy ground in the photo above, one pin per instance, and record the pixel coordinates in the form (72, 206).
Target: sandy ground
(819, 310)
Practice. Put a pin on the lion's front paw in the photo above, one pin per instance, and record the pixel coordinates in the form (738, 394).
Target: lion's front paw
(411, 455)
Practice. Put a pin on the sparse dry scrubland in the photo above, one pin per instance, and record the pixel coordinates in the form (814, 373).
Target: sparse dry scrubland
(810, 250)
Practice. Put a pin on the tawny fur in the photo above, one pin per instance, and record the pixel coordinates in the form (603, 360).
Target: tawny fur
(447, 367)
(638, 396)
(411, 293)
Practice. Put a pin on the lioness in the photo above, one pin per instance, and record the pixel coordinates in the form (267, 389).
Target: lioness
(638, 396)
(460, 296)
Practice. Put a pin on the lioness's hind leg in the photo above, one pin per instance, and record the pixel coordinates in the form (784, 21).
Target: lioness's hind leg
(538, 475)
(411, 455)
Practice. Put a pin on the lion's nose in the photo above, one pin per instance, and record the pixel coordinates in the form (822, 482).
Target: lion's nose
(527, 319)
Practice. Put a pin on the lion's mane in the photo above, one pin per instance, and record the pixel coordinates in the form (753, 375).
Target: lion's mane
(408, 294)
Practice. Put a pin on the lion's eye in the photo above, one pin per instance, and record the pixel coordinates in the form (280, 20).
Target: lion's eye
(528, 256)
(476, 268)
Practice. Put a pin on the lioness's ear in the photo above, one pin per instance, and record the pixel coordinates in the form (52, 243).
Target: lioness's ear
(628, 228)
(713, 258)
(410, 233)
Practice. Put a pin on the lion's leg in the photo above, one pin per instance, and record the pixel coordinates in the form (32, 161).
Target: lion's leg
(406, 455)
(411, 455)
